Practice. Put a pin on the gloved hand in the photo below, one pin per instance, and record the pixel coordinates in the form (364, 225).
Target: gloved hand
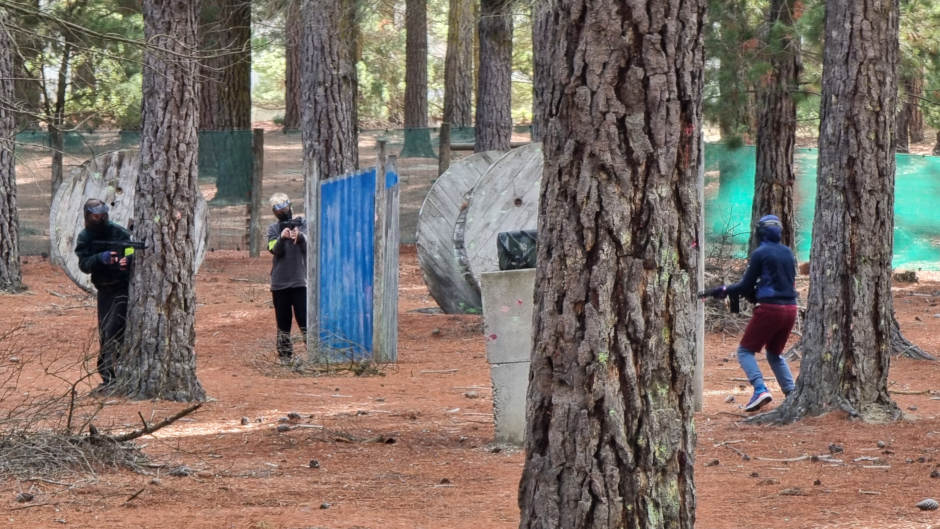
(715, 292)
(106, 257)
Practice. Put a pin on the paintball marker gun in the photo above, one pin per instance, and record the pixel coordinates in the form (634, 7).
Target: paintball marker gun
(124, 248)
(295, 222)
(734, 298)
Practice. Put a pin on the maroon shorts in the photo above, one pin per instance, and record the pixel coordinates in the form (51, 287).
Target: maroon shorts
(770, 326)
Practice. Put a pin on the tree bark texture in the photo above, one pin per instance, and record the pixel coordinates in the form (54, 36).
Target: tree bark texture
(458, 64)
(847, 330)
(159, 359)
(11, 278)
(56, 124)
(775, 177)
(225, 71)
(27, 46)
(494, 83)
(293, 29)
(541, 56)
(328, 88)
(416, 64)
(609, 437)
(902, 140)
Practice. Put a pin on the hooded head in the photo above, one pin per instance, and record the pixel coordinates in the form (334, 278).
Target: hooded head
(96, 215)
(280, 205)
(769, 228)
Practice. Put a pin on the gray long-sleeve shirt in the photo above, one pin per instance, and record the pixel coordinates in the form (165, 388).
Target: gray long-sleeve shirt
(289, 267)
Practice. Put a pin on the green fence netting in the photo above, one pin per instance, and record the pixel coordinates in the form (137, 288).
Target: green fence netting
(226, 164)
(729, 180)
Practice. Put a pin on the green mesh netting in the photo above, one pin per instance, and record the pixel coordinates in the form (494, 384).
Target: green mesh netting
(916, 218)
(225, 157)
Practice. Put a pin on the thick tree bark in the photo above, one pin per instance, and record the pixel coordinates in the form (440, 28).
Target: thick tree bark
(494, 83)
(541, 56)
(609, 437)
(11, 278)
(225, 73)
(225, 97)
(56, 135)
(159, 359)
(27, 88)
(416, 64)
(328, 86)
(847, 331)
(775, 176)
(458, 65)
(417, 135)
(293, 29)
(458, 78)
(936, 146)
(902, 138)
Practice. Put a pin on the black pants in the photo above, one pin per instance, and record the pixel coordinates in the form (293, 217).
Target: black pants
(289, 302)
(112, 318)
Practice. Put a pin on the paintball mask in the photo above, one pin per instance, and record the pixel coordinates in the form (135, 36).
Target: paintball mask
(96, 215)
(282, 211)
(769, 228)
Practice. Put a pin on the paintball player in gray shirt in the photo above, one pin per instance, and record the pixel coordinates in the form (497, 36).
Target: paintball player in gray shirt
(288, 244)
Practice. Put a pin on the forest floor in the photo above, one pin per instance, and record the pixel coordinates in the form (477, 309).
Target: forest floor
(411, 446)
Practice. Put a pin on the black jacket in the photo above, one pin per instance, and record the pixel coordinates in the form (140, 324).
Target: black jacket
(102, 275)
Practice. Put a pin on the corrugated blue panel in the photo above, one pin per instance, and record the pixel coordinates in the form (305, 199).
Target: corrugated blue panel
(347, 256)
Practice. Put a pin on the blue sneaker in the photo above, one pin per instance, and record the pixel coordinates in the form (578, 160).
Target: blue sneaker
(761, 397)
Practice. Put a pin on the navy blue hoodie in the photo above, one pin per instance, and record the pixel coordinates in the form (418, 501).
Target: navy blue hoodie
(771, 271)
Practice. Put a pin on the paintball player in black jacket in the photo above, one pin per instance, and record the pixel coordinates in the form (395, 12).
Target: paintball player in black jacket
(110, 273)
(288, 245)
(769, 279)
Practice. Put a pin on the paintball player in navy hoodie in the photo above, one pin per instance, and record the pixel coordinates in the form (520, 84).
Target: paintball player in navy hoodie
(110, 273)
(768, 281)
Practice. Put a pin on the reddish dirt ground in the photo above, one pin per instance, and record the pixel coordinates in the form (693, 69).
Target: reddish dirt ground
(412, 448)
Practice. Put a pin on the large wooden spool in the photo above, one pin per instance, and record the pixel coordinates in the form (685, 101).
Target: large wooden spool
(505, 198)
(112, 178)
(435, 234)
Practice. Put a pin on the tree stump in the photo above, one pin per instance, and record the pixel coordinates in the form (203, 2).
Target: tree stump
(112, 178)
(505, 198)
(435, 234)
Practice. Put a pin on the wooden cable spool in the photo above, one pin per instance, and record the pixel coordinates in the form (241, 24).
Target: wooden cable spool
(112, 178)
(505, 198)
(435, 234)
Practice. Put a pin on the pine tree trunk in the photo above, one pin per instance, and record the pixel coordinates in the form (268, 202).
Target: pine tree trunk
(11, 279)
(541, 55)
(775, 176)
(902, 140)
(225, 97)
(328, 88)
(292, 70)
(609, 436)
(848, 327)
(494, 90)
(457, 118)
(27, 89)
(936, 145)
(417, 135)
(159, 360)
(458, 65)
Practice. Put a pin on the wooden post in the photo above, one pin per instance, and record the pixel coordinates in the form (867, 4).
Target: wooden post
(385, 274)
(254, 224)
(312, 211)
(698, 382)
(443, 151)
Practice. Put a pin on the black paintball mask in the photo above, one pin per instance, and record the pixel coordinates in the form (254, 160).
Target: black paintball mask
(283, 211)
(96, 216)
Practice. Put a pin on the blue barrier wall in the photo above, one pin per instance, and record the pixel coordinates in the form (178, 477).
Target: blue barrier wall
(347, 256)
